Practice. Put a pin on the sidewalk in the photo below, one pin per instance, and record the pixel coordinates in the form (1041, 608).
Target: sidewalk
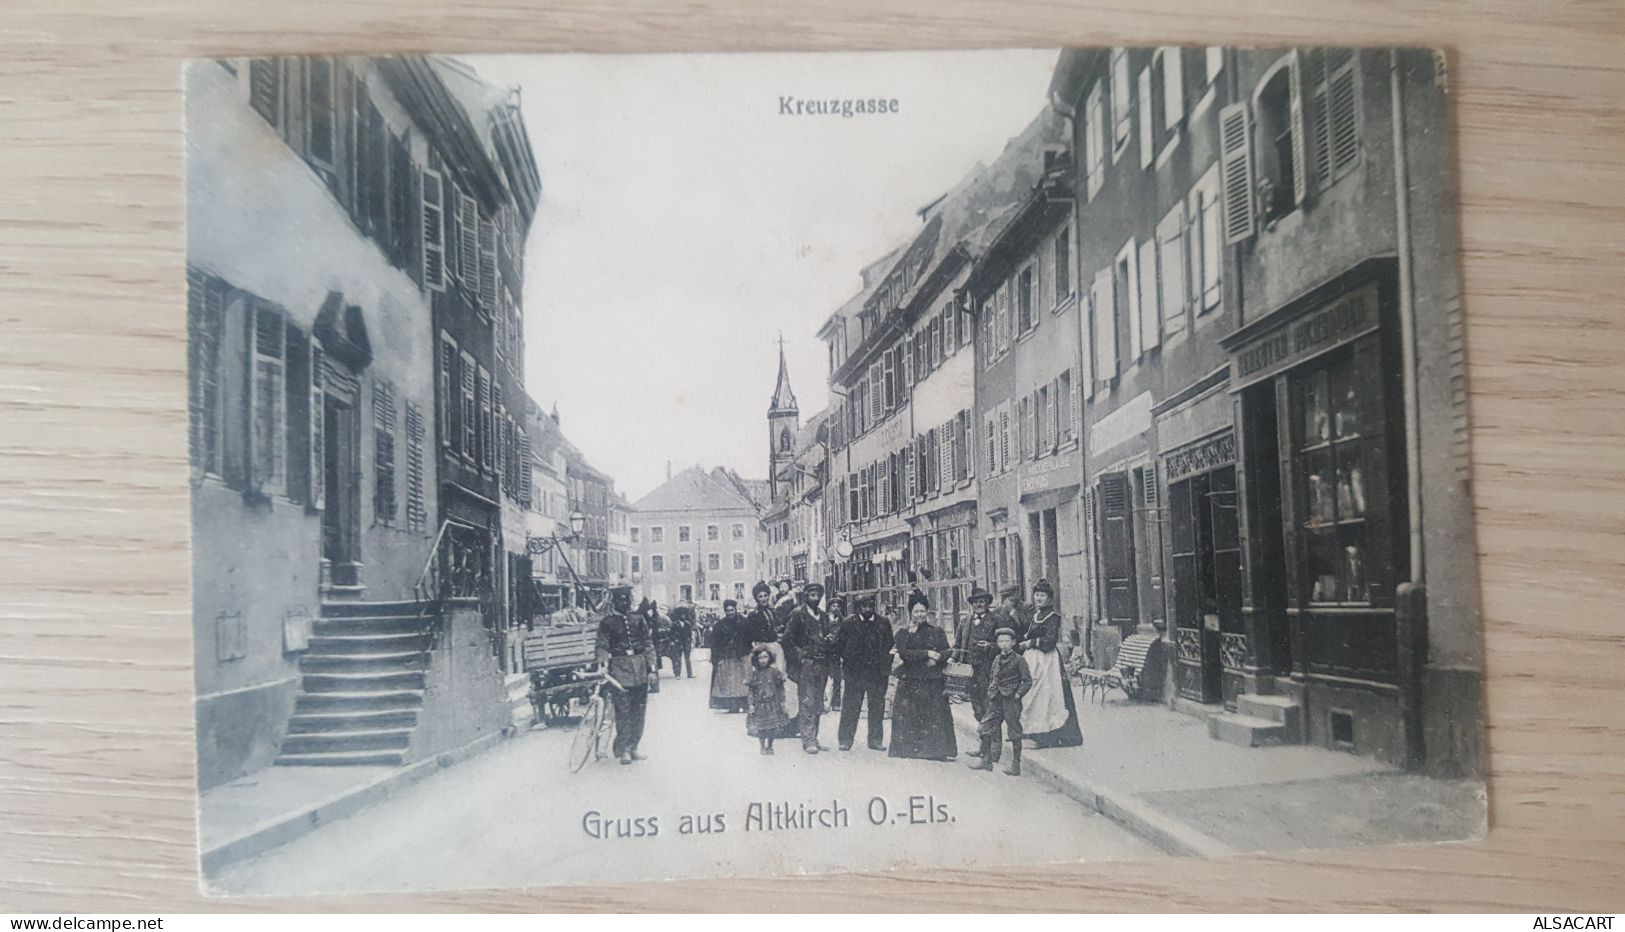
(275, 805)
(1157, 772)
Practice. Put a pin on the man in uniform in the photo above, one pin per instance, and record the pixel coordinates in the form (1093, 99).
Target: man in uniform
(979, 647)
(810, 638)
(626, 651)
(864, 645)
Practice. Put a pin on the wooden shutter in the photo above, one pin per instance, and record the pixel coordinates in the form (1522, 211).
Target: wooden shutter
(265, 88)
(318, 427)
(1150, 302)
(1004, 436)
(470, 409)
(468, 244)
(383, 452)
(526, 489)
(910, 479)
(488, 266)
(888, 364)
(877, 399)
(1173, 86)
(488, 450)
(1171, 269)
(1236, 172)
(1147, 144)
(417, 513)
(297, 386)
(1053, 409)
(1077, 409)
(433, 223)
(1117, 549)
(1128, 260)
(945, 455)
(1343, 107)
(1300, 165)
(1105, 327)
(964, 449)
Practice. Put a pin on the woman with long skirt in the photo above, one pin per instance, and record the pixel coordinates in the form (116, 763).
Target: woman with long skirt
(730, 661)
(921, 724)
(1049, 716)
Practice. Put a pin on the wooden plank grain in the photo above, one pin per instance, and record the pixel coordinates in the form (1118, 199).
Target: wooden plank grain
(96, 757)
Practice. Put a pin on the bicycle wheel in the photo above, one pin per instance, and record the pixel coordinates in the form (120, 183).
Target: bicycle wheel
(586, 736)
(606, 731)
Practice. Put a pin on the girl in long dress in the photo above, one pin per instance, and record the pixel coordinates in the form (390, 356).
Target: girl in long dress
(766, 719)
(922, 725)
(1049, 716)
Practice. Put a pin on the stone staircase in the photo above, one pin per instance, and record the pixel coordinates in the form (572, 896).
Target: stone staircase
(1259, 720)
(363, 680)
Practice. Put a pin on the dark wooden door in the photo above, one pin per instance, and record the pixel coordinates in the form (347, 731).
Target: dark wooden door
(1117, 552)
(341, 519)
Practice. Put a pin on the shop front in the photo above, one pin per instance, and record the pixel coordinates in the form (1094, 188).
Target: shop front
(1323, 511)
(943, 549)
(880, 568)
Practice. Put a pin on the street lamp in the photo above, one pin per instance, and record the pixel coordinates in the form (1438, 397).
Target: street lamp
(578, 523)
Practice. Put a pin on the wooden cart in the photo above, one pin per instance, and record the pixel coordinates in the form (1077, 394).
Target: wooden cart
(558, 659)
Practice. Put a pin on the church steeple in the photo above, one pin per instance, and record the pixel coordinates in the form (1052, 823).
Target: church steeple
(783, 422)
(784, 399)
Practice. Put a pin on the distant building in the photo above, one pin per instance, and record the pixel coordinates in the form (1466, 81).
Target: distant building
(695, 538)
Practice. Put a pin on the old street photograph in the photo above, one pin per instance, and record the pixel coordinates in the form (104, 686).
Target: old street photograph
(630, 468)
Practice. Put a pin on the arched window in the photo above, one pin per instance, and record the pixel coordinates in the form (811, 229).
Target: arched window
(1279, 146)
(784, 440)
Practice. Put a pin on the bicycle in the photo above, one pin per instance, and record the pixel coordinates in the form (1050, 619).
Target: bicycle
(595, 734)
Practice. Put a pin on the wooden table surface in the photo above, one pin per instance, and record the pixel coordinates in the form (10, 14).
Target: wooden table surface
(96, 745)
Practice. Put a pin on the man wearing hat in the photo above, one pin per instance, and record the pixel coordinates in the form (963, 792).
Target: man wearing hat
(979, 647)
(864, 645)
(1011, 612)
(810, 641)
(626, 649)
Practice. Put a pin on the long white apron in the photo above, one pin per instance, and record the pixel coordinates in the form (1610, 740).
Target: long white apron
(1044, 709)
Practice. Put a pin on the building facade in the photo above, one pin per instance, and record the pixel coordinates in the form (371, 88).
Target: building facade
(696, 538)
(1268, 241)
(318, 273)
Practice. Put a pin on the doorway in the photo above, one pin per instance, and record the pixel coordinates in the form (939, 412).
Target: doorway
(341, 466)
(1206, 553)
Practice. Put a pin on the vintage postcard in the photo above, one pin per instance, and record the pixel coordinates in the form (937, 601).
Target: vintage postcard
(627, 468)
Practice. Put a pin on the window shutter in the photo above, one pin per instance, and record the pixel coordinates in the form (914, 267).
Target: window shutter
(488, 267)
(1300, 165)
(1342, 102)
(1077, 409)
(1003, 323)
(383, 452)
(1004, 436)
(910, 488)
(468, 245)
(470, 410)
(1147, 152)
(417, 514)
(1236, 171)
(877, 400)
(488, 447)
(1171, 269)
(526, 489)
(265, 88)
(945, 458)
(1150, 300)
(433, 217)
(1117, 548)
(1129, 261)
(1148, 492)
(318, 428)
(965, 451)
(1173, 93)
(1105, 328)
(889, 375)
(1053, 409)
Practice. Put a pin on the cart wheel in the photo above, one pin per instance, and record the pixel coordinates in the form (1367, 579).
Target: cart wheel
(586, 736)
(606, 728)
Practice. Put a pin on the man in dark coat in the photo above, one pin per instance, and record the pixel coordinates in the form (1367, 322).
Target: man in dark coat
(1011, 613)
(681, 640)
(864, 646)
(977, 642)
(626, 651)
(811, 636)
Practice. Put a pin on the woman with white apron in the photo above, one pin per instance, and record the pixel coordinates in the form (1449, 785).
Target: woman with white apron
(1049, 715)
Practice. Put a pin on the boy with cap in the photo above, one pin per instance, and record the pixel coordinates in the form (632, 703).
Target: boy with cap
(1008, 681)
